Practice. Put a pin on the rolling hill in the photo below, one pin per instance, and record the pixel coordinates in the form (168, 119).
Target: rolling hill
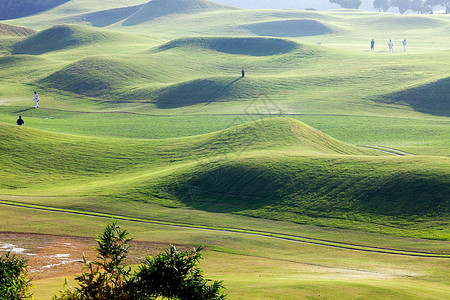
(161, 8)
(63, 37)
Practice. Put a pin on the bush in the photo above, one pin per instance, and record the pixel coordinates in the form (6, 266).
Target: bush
(171, 274)
(13, 278)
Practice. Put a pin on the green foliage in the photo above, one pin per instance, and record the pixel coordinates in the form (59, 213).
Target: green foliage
(174, 274)
(14, 284)
(104, 279)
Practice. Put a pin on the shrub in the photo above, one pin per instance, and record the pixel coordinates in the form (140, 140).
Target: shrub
(13, 278)
(172, 274)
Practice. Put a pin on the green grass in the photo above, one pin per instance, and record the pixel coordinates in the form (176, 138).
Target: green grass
(153, 122)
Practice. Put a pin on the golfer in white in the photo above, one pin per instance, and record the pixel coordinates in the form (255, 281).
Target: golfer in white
(36, 100)
(391, 46)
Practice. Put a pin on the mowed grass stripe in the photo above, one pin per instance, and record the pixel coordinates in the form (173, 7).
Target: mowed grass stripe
(317, 242)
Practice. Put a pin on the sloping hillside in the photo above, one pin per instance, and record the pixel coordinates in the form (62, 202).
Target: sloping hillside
(160, 8)
(432, 98)
(12, 9)
(298, 188)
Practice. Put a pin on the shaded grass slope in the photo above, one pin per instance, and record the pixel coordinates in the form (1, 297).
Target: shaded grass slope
(61, 37)
(238, 45)
(431, 98)
(21, 8)
(15, 31)
(204, 90)
(401, 196)
(289, 28)
(281, 187)
(159, 8)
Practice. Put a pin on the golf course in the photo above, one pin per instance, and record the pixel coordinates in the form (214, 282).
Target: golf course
(322, 172)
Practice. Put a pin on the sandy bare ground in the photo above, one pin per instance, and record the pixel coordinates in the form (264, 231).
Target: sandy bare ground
(56, 255)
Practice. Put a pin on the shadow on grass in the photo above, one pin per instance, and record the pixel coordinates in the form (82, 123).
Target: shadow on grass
(431, 98)
(23, 110)
(195, 92)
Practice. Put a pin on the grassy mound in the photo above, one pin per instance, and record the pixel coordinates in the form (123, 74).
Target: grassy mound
(9, 30)
(431, 98)
(66, 36)
(289, 28)
(159, 8)
(94, 75)
(297, 188)
(205, 90)
(239, 46)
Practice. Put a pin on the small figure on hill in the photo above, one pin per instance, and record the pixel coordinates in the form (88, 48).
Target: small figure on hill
(372, 45)
(243, 72)
(404, 45)
(20, 122)
(36, 100)
(391, 46)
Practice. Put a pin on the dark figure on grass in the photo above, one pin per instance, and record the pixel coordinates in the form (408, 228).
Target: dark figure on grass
(372, 45)
(243, 72)
(36, 100)
(20, 121)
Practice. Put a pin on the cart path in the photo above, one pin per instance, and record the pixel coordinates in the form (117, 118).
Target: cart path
(274, 235)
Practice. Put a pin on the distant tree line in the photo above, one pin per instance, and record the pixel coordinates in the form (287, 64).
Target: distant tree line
(419, 6)
(13, 9)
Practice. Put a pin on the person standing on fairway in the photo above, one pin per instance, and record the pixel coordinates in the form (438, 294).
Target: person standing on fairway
(391, 46)
(243, 72)
(404, 45)
(20, 121)
(372, 45)
(36, 100)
